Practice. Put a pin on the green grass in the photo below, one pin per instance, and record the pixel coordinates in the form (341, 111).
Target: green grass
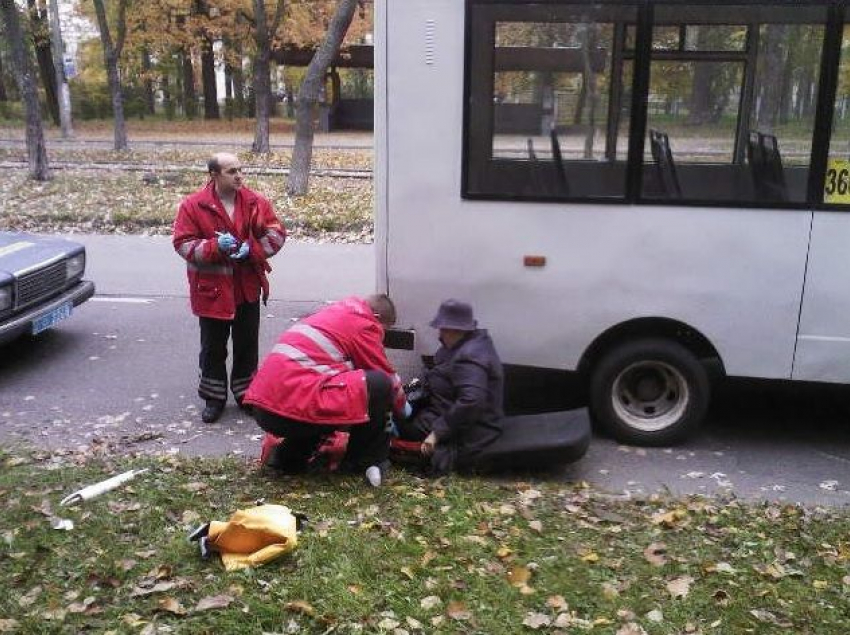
(462, 555)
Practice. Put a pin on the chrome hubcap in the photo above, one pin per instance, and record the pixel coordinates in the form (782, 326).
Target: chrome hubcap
(650, 395)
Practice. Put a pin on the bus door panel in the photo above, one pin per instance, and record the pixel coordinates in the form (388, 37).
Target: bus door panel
(823, 338)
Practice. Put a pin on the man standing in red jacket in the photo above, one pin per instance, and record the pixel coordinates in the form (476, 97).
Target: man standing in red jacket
(329, 372)
(226, 233)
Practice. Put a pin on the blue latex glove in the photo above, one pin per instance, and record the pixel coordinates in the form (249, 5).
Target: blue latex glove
(392, 427)
(242, 253)
(226, 242)
(408, 410)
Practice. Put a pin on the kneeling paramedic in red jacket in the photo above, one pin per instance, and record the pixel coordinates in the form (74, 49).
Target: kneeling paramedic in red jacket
(226, 232)
(329, 372)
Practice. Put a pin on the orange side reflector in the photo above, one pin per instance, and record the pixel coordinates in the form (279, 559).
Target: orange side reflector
(534, 261)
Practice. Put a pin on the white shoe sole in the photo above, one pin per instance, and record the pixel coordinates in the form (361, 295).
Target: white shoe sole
(373, 476)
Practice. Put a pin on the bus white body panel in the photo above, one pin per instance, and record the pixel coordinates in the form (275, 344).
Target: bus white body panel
(735, 275)
(823, 349)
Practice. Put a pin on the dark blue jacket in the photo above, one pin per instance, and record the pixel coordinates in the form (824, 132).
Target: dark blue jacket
(465, 389)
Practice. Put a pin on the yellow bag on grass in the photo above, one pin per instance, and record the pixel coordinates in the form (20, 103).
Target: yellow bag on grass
(252, 537)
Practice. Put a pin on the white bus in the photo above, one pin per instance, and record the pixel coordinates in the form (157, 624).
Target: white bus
(642, 195)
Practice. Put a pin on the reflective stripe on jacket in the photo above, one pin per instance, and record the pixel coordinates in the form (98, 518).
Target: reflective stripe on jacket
(218, 284)
(314, 373)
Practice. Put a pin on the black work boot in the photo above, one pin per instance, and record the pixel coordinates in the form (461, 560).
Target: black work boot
(212, 411)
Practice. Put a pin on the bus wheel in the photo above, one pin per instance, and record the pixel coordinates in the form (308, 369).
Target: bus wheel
(649, 392)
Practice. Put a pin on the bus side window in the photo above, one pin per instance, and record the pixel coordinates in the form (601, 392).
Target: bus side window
(547, 109)
(713, 79)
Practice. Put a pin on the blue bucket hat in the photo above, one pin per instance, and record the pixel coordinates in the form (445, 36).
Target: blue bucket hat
(455, 315)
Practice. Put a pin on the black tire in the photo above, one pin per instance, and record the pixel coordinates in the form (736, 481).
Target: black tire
(649, 392)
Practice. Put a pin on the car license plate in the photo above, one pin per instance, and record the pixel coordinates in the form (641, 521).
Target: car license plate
(52, 318)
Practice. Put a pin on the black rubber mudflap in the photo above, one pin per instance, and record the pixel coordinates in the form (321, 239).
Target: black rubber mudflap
(539, 441)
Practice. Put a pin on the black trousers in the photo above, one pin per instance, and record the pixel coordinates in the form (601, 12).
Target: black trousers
(414, 429)
(368, 443)
(244, 328)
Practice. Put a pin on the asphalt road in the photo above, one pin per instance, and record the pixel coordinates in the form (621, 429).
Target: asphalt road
(121, 374)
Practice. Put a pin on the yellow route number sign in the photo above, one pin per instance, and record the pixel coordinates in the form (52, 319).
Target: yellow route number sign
(836, 187)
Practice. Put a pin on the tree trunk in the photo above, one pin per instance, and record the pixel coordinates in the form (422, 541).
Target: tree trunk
(701, 105)
(44, 56)
(150, 101)
(237, 76)
(114, 80)
(786, 90)
(39, 169)
(228, 82)
(302, 155)
(111, 54)
(48, 81)
(591, 39)
(299, 174)
(771, 76)
(262, 95)
(167, 99)
(262, 82)
(807, 92)
(580, 104)
(228, 92)
(251, 103)
(4, 96)
(264, 34)
(238, 87)
(807, 85)
(190, 103)
(64, 96)
(208, 75)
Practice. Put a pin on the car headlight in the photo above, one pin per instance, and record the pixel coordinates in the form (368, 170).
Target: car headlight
(5, 298)
(75, 266)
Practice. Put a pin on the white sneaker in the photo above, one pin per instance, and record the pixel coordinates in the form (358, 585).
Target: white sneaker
(373, 475)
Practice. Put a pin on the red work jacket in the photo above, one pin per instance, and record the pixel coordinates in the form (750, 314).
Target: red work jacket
(217, 284)
(314, 374)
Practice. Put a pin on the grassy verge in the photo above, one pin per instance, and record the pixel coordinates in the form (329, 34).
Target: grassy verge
(463, 555)
(126, 202)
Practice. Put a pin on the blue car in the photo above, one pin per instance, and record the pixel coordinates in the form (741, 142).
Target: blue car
(41, 281)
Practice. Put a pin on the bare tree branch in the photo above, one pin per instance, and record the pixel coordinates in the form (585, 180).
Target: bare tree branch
(122, 27)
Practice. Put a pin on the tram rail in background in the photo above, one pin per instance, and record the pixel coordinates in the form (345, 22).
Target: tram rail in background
(346, 173)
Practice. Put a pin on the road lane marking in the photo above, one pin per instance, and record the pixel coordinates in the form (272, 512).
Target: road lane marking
(120, 300)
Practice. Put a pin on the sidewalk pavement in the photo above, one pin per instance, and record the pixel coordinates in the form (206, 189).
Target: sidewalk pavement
(149, 266)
